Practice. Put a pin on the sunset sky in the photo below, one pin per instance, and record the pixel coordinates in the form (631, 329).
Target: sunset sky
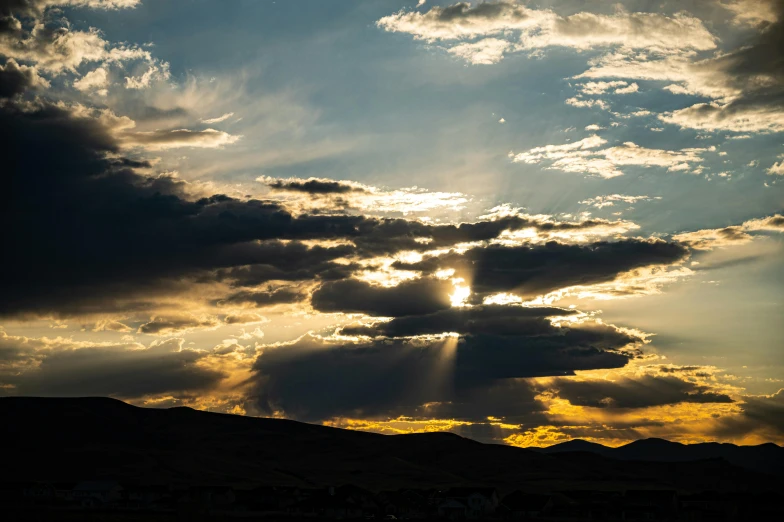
(523, 222)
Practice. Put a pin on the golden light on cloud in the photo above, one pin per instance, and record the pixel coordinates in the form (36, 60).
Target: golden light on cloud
(461, 293)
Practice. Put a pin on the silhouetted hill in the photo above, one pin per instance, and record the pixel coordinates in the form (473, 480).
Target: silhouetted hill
(78, 439)
(766, 458)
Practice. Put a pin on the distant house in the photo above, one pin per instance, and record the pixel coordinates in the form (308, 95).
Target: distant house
(337, 503)
(452, 509)
(478, 502)
(526, 506)
(97, 492)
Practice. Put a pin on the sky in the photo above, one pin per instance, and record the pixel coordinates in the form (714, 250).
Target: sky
(522, 222)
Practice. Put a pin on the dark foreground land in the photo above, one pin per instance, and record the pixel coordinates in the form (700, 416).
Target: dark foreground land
(101, 459)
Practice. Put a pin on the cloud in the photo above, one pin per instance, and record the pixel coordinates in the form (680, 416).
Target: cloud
(63, 367)
(580, 158)
(155, 73)
(416, 297)
(484, 52)
(653, 31)
(389, 378)
(31, 32)
(170, 139)
(578, 102)
(461, 20)
(611, 199)
(16, 79)
(244, 318)
(712, 238)
(180, 238)
(264, 298)
(95, 80)
(315, 186)
(777, 169)
(505, 26)
(618, 87)
(635, 392)
(172, 324)
(489, 319)
(37, 7)
(218, 119)
(320, 195)
(745, 85)
(763, 414)
(751, 12)
(539, 269)
(708, 239)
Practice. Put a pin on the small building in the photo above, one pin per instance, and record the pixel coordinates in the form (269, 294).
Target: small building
(452, 509)
(479, 502)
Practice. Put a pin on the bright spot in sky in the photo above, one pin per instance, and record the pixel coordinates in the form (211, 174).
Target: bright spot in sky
(460, 295)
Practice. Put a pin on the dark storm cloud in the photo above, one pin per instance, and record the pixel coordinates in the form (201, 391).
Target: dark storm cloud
(16, 79)
(420, 296)
(123, 371)
(463, 12)
(166, 325)
(394, 377)
(531, 270)
(265, 298)
(313, 186)
(291, 261)
(756, 71)
(92, 234)
(759, 413)
(640, 392)
(492, 319)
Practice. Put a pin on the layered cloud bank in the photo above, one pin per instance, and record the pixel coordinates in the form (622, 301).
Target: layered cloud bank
(742, 87)
(412, 322)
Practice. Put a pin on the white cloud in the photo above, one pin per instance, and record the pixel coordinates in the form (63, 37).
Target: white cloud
(461, 20)
(527, 29)
(628, 90)
(178, 138)
(728, 117)
(95, 81)
(709, 239)
(579, 102)
(579, 157)
(777, 169)
(218, 119)
(611, 199)
(484, 52)
(652, 31)
(155, 72)
(594, 127)
(600, 87)
(751, 12)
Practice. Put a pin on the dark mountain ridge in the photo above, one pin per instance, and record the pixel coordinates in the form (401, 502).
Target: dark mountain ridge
(766, 458)
(88, 438)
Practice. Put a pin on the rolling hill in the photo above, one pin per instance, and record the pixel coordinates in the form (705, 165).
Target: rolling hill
(88, 438)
